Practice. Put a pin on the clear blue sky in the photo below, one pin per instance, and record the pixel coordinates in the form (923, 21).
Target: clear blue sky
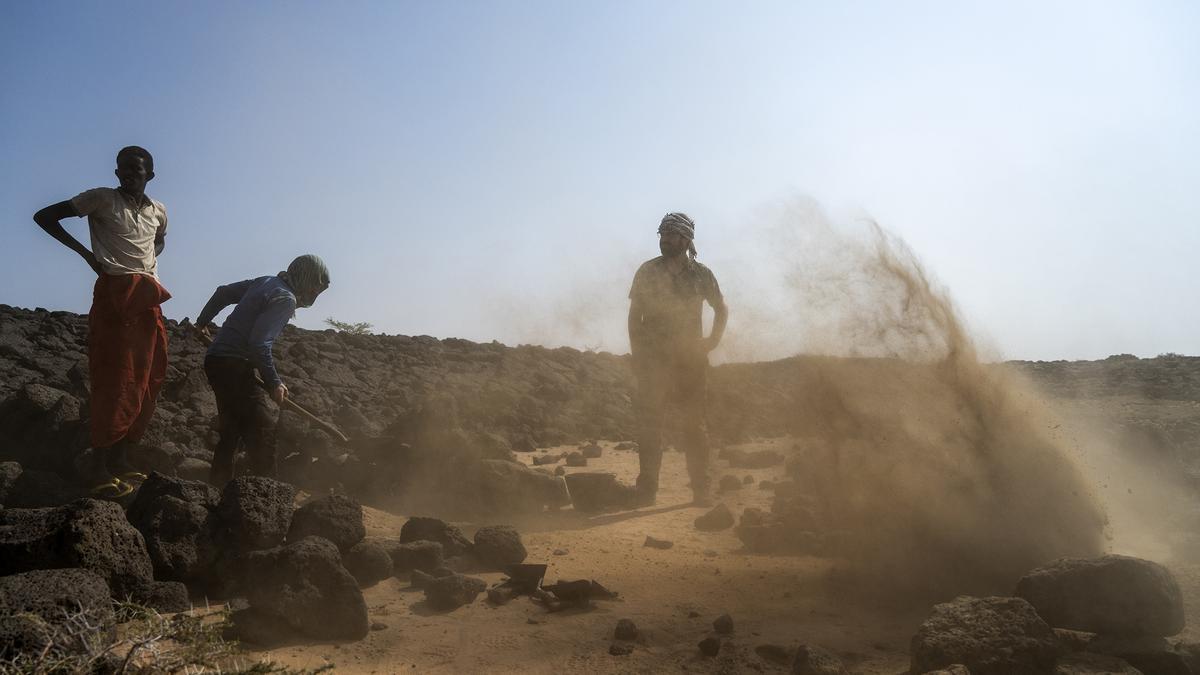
(497, 169)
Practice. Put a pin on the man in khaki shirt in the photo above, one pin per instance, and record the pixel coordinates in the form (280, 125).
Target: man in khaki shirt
(670, 353)
(127, 340)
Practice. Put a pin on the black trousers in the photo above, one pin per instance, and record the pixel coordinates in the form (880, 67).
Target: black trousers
(247, 418)
(677, 379)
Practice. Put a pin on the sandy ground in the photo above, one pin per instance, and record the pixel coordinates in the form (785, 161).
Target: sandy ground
(672, 595)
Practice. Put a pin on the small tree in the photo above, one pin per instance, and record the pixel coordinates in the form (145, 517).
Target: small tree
(360, 328)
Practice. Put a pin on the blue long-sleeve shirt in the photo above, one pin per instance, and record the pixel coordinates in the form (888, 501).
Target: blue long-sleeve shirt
(264, 306)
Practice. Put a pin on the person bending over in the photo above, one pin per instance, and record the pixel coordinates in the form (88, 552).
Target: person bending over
(242, 348)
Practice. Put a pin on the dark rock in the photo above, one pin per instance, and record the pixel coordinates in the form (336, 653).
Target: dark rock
(560, 471)
(1093, 664)
(377, 626)
(159, 485)
(620, 649)
(452, 591)
(86, 533)
(990, 636)
(501, 595)
(1147, 653)
(626, 630)
(24, 633)
(175, 518)
(719, 518)
(729, 484)
(1112, 594)
(255, 512)
(547, 459)
(576, 459)
(777, 654)
(305, 584)
(419, 528)
(9, 472)
(748, 480)
(415, 555)
(710, 647)
(813, 660)
(591, 451)
(35, 489)
(499, 546)
(166, 597)
(663, 544)
(369, 562)
(191, 468)
(52, 596)
(1074, 640)
(597, 492)
(256, 627)
(723, 624)
(500, 486)
(337, 518)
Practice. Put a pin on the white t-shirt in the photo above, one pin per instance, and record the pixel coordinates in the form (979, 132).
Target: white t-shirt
(122, 235)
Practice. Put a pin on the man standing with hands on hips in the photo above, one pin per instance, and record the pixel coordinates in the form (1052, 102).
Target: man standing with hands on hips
(670, 353)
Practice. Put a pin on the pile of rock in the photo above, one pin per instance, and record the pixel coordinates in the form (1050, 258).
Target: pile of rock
(1111, 614)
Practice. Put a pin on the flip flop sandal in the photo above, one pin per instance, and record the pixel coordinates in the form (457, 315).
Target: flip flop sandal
(132, 477)
(113, 489)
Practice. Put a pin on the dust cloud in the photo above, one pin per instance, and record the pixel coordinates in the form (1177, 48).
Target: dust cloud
(928, 470)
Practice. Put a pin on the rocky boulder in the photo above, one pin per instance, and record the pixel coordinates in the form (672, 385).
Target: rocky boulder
(87, 533)
(990, 636)
(1112, 594)
(45, 599)
(420, 528)
(452, 591)
(337, 518)
(499, 546)
(813, 660)
(368, 562)
(175, 516)
(305, 585)
(254, 513)
(593, 492)
(423, 555)
(501, 486)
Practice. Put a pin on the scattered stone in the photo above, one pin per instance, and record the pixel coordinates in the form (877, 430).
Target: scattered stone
(592, 451)
(50, 597)
(377, 626)
(337, 518)
(719, 518)
(772, 653)
(501, 595)
(576, 459)
(87, 533)
(729, 484)
(547, 459)
(254, 513)
(419, 528)
(561, 551)
(559, 471)
(305, 584)
(813, 660)
(593, 492)
(415, 555)
(1092, 664)
(626, 630)
(1147, 653)
(166, 597)
(1112, 594)
(368, 562)
(452, 591)
(191, 468)
(499, 546)
(990, 636)
(663, 544)
(175, 517)
(710, 647)
(723, 624)
(620, 649)
(500, 486)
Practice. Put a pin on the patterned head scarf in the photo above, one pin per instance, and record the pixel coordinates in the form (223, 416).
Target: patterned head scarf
(307, 276)
(679, 223)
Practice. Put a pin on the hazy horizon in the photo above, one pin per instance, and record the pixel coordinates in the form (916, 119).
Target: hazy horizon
(497, 170)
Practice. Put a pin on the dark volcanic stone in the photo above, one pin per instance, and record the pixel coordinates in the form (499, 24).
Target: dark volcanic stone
(990, 636)
(86, 533)
(34, 489)
(499, 546)
(452, 591)
(597, 492)
(261, 628)
(163, 596)
(369, 562)
(175, 518)
(158, 485)
(1112, 594)
(729, 484)
(812, 660)
(723, 624)
(255, 512)
(710, 646)
(415, 555)
(591, 451)
(719, 518)
(23, 633)
(576, 459)
(626, 630)
(1147, 653)
(419, 528)
(620, 649)
(501, 486)
(9, 471)
(337, 518)
(52, 596)
(305, 584)
(663, 544)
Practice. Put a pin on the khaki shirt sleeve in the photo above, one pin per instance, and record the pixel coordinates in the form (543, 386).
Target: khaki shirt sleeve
(90, 201)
